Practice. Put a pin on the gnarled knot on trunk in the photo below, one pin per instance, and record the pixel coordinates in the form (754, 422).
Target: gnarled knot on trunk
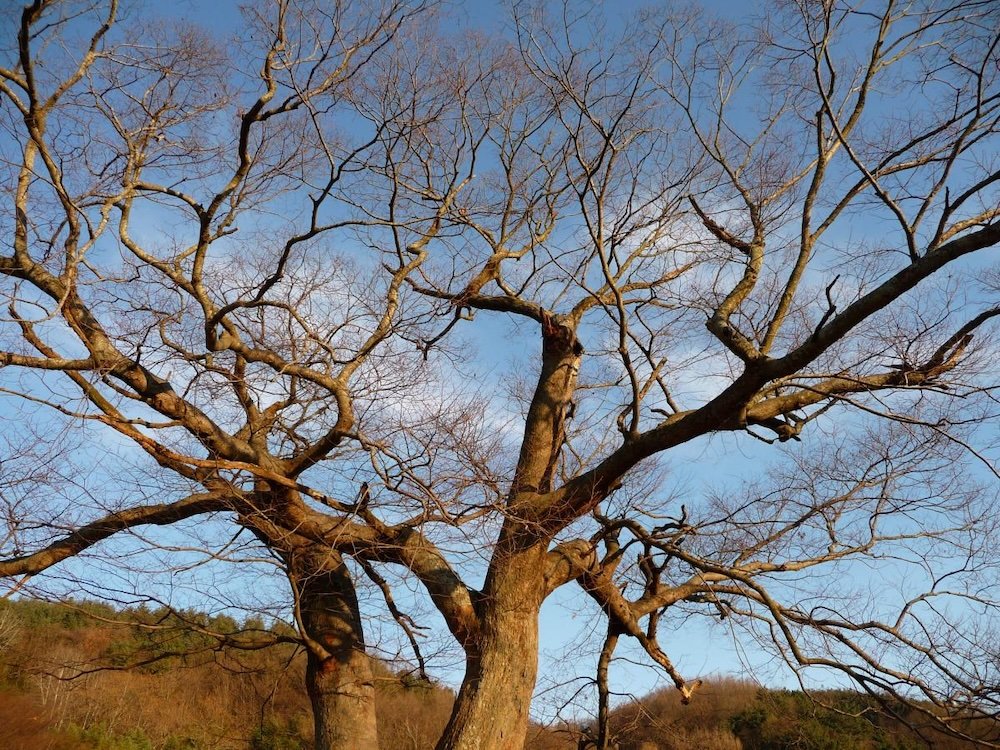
(559, 337)
(328, 666)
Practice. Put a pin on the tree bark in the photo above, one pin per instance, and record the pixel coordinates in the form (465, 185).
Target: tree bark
(491, 710)
(603, 741)
(339, 676)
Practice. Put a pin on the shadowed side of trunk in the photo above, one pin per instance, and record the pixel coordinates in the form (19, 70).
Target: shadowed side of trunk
(339, 676)
(491, 710)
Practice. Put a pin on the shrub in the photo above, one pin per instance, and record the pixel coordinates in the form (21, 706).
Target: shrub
(100, 737)
(272, 735)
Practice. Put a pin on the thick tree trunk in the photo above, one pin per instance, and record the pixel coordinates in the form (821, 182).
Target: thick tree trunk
(339, 676)
(491, 710)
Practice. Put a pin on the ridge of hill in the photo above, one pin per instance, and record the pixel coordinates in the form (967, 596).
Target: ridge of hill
(89, 676)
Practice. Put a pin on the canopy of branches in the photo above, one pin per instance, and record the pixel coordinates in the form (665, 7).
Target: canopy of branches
(449, 315)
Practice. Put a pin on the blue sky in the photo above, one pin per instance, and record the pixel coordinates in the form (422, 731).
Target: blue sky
(571, 626)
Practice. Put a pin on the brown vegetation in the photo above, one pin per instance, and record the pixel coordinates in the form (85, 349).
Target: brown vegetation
(248, 287)
(62, 687)
(69, 680)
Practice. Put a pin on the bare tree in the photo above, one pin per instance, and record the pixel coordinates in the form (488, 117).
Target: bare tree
(119, 131)
(703, 180)
(772, 233)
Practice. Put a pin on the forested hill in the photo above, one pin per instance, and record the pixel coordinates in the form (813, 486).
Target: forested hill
(172, 684)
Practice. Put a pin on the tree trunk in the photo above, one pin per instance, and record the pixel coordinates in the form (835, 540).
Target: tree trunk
(603, 741)
(339, 676)
(491, 710)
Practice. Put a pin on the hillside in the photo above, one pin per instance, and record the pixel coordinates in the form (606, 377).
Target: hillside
(166, 682)
(168, 687)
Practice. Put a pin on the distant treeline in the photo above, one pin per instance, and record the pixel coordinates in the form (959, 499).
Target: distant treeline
(81, 675)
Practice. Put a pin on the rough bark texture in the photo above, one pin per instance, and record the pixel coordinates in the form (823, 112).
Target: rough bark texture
(491, 711)
(545, 424)
(339, 675)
